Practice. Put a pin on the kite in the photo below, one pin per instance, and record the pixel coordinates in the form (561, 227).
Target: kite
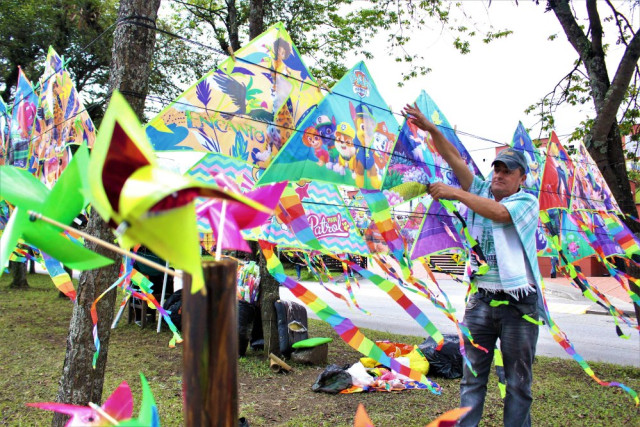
(4, 131)
(590, 190)
(247, 108)
(521, 141)
(63, 203)
(346, 140)
(23, 116)
(558, 176)
(61, 121)
(415, 162)
(438, 233)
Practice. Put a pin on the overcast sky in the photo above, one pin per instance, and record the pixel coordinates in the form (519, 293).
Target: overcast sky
(485, 93)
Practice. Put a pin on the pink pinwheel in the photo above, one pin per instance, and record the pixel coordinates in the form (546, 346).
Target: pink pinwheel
(118, 407)
(227, 218)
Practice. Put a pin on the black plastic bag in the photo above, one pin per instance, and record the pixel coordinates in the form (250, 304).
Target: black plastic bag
(446, 362)
(332, 380)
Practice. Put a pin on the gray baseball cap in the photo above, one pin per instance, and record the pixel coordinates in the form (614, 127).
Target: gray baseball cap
(512, 158)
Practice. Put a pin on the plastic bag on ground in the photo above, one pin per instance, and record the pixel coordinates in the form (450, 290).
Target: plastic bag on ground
(447, 362)
(332, 380)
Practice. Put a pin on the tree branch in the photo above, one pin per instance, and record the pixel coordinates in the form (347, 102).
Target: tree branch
(596, 27)
(575, 35)
(616, 92)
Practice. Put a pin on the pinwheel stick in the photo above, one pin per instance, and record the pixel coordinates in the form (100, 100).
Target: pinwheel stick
(104, 414)
(117, 249)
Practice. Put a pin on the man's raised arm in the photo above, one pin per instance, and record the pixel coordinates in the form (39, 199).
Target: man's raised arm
(446, 149)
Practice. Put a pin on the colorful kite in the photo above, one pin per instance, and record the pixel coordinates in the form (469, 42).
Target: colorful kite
(245, 109)
(415, 162)
(4, 131)
(522, 141)
(22, 120)
(590, 190)
(61, 121)
(346, 140)
(558, 176)
(438, 233)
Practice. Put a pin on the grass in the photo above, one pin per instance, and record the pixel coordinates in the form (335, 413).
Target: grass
(33, 330)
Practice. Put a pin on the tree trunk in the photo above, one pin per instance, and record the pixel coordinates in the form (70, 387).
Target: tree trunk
(269, 294)
(133, 47)
(19, 275)
(256, 18)
(232, 25)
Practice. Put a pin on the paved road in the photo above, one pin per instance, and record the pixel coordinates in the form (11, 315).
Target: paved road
(593, 335)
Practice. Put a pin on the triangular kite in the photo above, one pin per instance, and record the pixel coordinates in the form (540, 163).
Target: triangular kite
(346, 140)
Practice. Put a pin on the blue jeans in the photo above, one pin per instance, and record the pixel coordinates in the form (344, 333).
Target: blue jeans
(518, 338)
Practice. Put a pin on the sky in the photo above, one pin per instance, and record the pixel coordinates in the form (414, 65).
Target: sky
(485, 93)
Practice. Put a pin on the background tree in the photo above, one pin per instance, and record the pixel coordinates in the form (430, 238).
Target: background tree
(614, 99)
(72, 27)
(133, 47)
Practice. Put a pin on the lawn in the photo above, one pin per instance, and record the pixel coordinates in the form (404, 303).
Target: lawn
(33, 329)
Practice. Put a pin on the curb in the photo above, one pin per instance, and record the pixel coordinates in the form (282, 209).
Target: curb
(629, 313)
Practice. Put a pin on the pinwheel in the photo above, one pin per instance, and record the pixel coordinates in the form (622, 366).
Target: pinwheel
(117, 410)
(118, 407)
(233, 217)
(145, 203)
(63, 203)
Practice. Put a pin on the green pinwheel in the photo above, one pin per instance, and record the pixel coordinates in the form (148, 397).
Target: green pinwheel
(62, 203)
(145, 203)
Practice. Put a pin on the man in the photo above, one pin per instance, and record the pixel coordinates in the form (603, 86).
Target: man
(504, 305)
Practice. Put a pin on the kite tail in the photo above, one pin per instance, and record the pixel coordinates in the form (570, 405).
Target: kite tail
(402, 300)
(561, 338)
(342, 325)
(461, 329)
(139, 280)
(348, 276)
(94, 319)
(60, 277)
(318, 275)
(502, 379)
(476, 251)
(613, 271)
(581, 281)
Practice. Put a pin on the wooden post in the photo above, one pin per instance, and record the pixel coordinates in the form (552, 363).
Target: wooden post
(210, 353)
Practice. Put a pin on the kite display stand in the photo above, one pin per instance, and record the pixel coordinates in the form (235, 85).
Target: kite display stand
(210, 354)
